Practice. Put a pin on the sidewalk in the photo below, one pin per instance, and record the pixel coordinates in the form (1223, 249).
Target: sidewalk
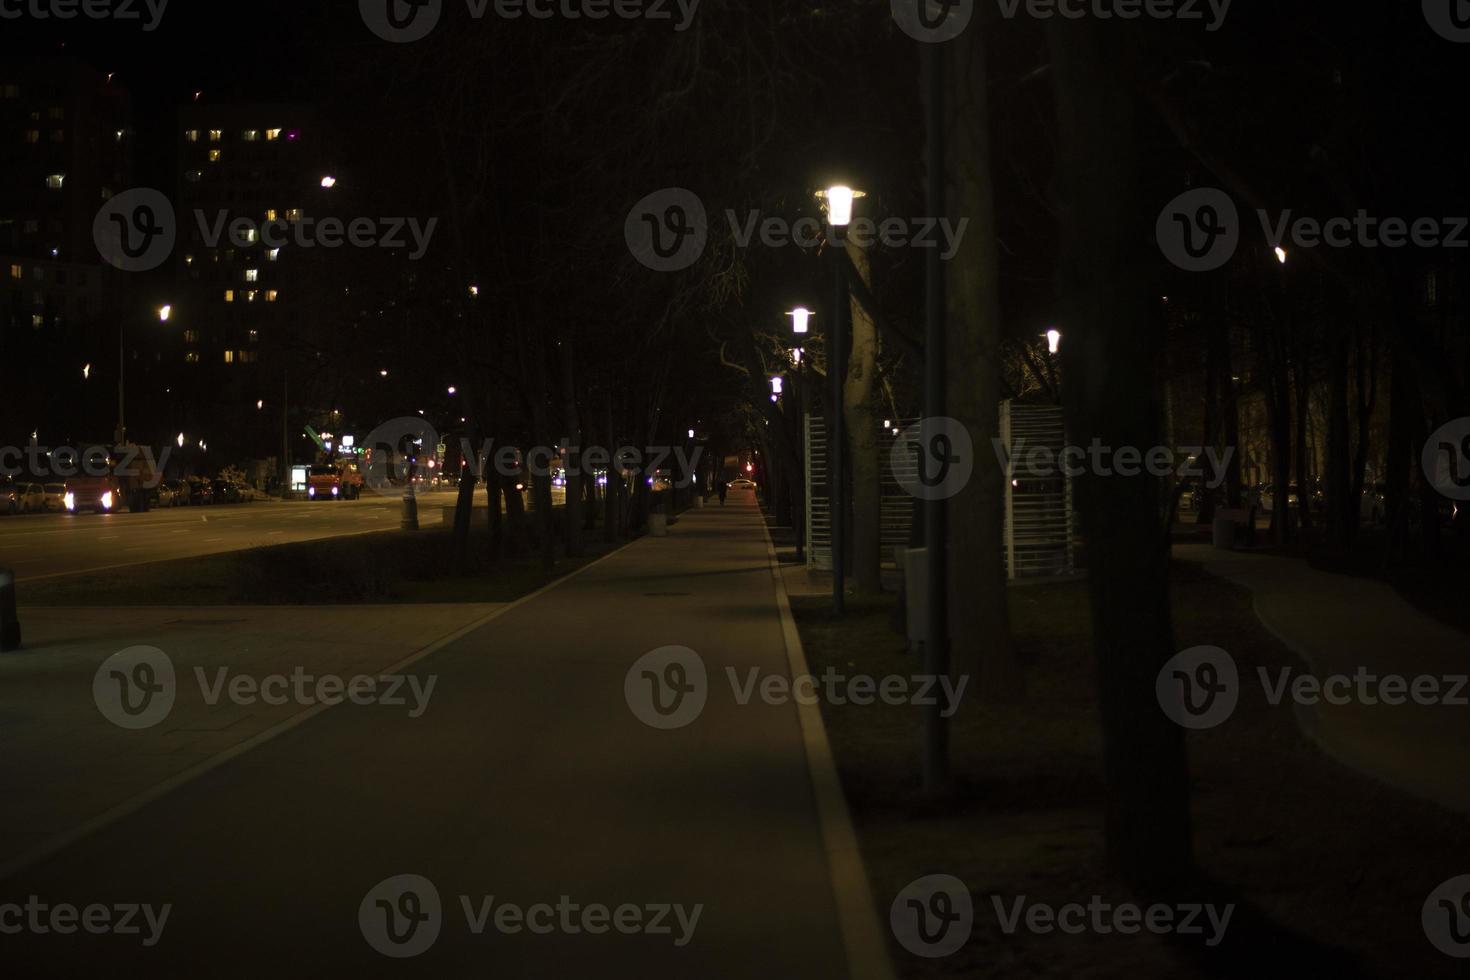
(529, 779)
(1338, 624)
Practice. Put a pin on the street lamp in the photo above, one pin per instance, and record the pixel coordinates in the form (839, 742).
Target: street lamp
(801, 319)
(329, 182)
(839, 199)
(1054, 340)
(164, 312)
(776, 385)
(1280, 255)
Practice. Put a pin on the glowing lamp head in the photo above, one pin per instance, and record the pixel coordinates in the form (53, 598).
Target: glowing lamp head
(164, 313)
(1280, 255)
(776, 385)
(839, 204)
(1053, 340)
(801, 319)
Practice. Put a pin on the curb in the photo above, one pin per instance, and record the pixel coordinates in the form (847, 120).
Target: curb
(863, 937)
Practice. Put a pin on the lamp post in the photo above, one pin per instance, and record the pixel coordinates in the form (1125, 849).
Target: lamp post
(839, 199)
(801, 317)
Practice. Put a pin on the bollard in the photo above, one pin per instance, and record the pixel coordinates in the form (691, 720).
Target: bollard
(9, 621)
(410, 511)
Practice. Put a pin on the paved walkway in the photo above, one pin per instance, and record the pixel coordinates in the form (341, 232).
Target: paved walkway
(528, 779)
(1339, 624)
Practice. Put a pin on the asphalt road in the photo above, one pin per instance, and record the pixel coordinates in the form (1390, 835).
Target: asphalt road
(38, 546)
(530, 780)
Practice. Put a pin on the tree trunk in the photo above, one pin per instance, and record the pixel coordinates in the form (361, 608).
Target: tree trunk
(1108, 361)
(860, 407)
(979, 619)
(571, 421)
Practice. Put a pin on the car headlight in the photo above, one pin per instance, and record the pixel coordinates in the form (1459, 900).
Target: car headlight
(311, 491)
(107, 500)
(334, 491)
(70, 500)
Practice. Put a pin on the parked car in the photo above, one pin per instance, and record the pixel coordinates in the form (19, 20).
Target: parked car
(32, 497)
(225, 492)
(55, 496)
(741, 483)
(163, 495)
(179, 493)
(201, 492)
(9, 497)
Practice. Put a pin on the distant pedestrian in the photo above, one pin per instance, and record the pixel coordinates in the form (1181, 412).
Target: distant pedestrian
(724, 489)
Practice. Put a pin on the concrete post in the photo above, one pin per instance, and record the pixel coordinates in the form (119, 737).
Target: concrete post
(9, 620)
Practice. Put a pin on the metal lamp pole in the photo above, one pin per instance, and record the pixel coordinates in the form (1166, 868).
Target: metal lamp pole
(837, 434)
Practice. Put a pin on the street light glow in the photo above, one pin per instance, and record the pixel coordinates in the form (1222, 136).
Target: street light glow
(86, 371)
(453, 390)
(164, 312)
(1053, 340)
(1280, 255)
(839, 200)
(801, 319)
(180, 440)
(776, 385)
(329, 182)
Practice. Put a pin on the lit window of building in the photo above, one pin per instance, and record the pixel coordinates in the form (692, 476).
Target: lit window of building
(188, 260)
(252, 275)
(214, 156)
(252, 235)
(271, 295)
(16, 272)
(215, 135)
(37, 320)
(192, 357)
(55, 181)
(272, 255)
(272, 135)
(251, 135)
(191, 336)
(229, 295)
(33, 136)
(270, 214)
(251, 294)
(294, 214)
(191, 135)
